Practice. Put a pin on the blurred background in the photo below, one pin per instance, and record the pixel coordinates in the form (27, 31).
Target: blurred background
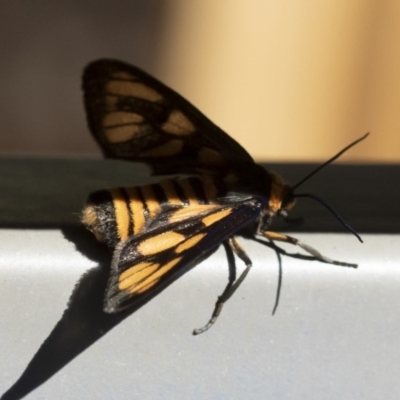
(291, 81)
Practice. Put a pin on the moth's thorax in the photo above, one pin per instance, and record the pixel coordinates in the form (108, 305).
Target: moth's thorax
(280, 196)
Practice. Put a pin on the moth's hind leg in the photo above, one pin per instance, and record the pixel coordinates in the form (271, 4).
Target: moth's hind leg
(230, 287)
(280, 237)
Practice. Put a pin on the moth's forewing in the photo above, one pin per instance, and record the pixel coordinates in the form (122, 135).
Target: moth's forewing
(134, 116)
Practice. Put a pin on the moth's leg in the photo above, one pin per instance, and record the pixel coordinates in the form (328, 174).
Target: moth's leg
(280, 237)
(230, 287)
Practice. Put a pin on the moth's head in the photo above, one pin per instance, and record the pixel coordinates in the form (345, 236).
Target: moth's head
(281, 199)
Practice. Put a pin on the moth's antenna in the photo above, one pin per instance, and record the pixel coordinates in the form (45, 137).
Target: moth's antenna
(312, 173)
(337, 216)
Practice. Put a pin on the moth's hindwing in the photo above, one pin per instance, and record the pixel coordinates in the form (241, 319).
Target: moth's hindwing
(146, 263)
(134, 116)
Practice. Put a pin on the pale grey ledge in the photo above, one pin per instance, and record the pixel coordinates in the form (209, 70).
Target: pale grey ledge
(335, 334)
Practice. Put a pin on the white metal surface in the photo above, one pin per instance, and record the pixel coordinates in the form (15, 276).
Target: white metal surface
(335, 334)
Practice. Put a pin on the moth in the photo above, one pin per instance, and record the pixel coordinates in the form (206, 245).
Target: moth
(158, 232)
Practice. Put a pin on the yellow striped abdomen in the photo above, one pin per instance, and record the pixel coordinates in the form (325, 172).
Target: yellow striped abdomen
(113, 215)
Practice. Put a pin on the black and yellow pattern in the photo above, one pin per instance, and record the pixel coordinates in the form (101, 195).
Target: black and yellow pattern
(133, 116)
(160, 231)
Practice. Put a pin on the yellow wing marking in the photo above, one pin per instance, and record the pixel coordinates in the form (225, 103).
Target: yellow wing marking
(119, 134)
(135, 274)
(170, 148)
(111, 102)
(137, 209)
(133, 89)
(170, 192)
(152, 279)
(215, 217)
(178, 124)
(152, 204)
(191, 211)
(161, 242)
(121, 213)
(210, 157)
(189, 243)
(121, 118)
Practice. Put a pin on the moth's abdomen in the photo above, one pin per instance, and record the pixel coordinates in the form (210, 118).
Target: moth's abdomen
(113, 215)
(99, 217)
